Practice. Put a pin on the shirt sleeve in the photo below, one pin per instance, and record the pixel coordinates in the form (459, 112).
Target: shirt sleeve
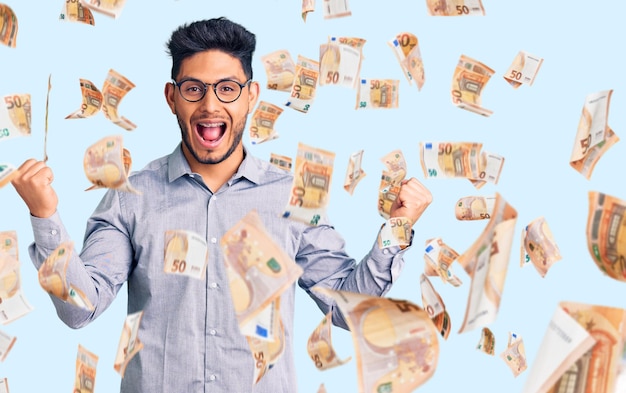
(99, 270)
(323, 258)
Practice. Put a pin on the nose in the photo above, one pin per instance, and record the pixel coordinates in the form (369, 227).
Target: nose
(210, 100)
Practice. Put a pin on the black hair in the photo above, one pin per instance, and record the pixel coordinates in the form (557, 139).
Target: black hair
(218, 33)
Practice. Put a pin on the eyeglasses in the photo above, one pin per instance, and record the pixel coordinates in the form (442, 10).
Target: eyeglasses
(193, 90)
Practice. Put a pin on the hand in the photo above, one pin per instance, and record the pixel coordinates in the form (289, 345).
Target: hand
(413, 198)
(33, 183)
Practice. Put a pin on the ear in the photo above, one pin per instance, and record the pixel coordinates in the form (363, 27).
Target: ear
(169, 91)
(253, 96)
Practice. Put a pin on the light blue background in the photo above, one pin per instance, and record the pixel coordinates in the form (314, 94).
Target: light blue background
(533, 127)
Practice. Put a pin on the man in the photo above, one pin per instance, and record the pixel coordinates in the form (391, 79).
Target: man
(190, 333)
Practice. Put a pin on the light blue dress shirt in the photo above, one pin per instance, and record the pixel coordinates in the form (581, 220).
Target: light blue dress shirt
(190, 333)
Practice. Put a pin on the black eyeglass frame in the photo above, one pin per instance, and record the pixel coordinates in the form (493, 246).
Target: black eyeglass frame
(206, 87)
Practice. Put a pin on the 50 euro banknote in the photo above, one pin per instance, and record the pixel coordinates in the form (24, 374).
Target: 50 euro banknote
(455, 7)
(310, 190)
(391, 337)
(594, 136)
(15, 116)
(460, 159)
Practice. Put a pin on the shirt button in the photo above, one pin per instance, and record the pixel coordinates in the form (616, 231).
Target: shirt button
(212, 332)
(385, 251)
(214, 198)
(54, 231)
(213, 285)
(212, 377)
(213, 240)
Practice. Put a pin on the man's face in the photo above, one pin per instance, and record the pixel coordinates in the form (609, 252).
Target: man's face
(211, 130)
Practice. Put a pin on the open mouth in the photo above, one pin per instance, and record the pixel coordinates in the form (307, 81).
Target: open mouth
(211, 133)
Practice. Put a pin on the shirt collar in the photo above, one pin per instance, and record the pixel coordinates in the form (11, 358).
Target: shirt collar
(178, 166)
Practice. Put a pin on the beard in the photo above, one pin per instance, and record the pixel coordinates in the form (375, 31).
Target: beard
(237, 136)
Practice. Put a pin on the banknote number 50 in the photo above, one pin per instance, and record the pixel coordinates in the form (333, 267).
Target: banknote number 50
(13, 101)
(462, 9)
(179, 266)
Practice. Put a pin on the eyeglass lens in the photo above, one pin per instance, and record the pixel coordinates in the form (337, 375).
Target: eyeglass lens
(194, 90)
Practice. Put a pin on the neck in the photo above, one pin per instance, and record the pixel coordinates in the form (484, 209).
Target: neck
(215, 175)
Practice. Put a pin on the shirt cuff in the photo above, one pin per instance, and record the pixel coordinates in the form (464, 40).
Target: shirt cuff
(48, 233)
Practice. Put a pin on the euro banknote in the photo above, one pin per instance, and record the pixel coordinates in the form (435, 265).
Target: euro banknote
(594, 136)
(468, 82)
(107, 164)
(15, 116)
(186, 254)
(606, 234)
(486, 262)
(310, 190)
(304, 84)
(8, 26)
(523, 70)
(538, 246)
(391, 337)
(455, 7)
(320, 346)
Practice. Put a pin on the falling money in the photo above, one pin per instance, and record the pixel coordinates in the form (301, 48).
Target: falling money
(594, 136)
(377, 93)
(8, 26)
(258, 269)
(15, 116)
(116, 86)
(307, 6)
(129, 344)
(107, 165)
(310, 191)
(395, 232)
(13, 304)
(579, 338)
(281, 161)
(304, 84)
(6, 343)
(336, 9)
(538, 246)
(263, 120)
(486, 262)
(455, 7)
(474, 208)
(438, 257)
(186, 254)
(266, 353)
(606, 234)
(460, 159)
(75, 11)
(280, 70)
(487, 343)
(390, 181)
(523, 70)
(434, 306)
(320, 346)
(53, 279)
(112, 8)
(86, 363)
(515, 355)
(406, 48)
(340, 62)
(354, 173)
(7, 172)
(469, 80)
(395, 342)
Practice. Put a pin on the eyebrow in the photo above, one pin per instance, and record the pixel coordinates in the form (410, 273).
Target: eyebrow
(230, 77)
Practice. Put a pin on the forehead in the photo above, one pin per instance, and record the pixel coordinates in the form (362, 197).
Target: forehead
(211, 65)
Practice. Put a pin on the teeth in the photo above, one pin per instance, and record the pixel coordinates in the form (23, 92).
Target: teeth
(209, 125)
